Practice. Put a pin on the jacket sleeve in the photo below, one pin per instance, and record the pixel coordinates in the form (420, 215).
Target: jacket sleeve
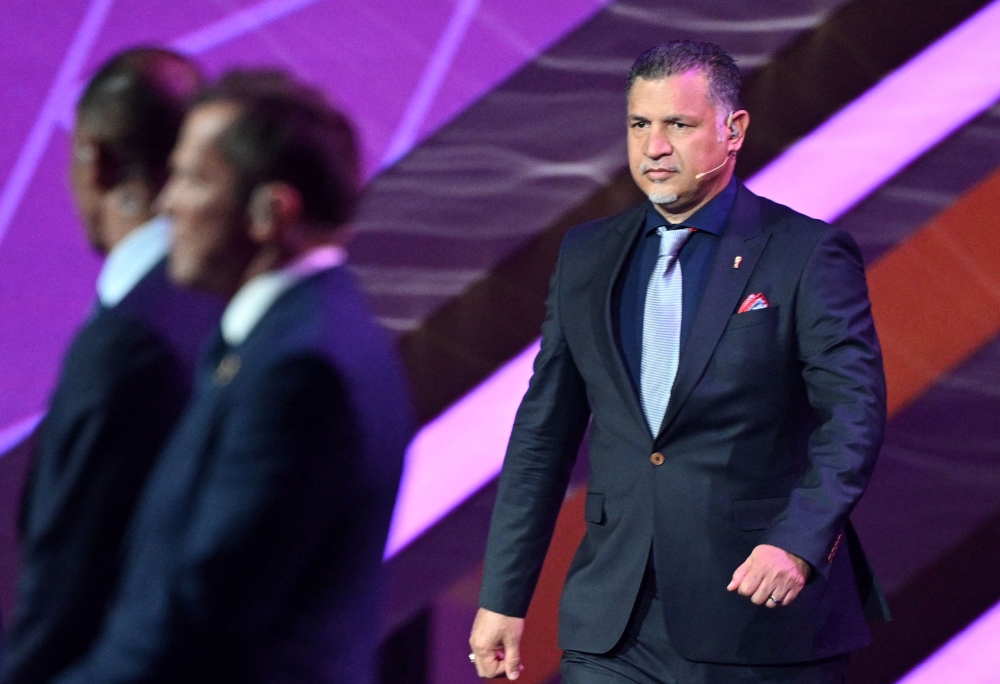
(841, 365)
(546, 436)
(118, 398)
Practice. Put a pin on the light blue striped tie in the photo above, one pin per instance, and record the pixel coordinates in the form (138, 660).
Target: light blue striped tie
(661, 328)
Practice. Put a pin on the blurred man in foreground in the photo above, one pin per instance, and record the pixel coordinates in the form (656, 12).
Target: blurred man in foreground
(127, 374)
(257, 545)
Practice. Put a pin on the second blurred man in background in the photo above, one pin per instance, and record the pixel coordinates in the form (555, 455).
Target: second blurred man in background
(127, 375)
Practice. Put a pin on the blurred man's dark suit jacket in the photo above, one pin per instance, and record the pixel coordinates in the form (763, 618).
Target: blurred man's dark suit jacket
(257, 546)
(123, 384)
(774, 423)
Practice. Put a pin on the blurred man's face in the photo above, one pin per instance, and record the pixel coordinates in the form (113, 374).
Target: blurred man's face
(211, 247)
(675, 133)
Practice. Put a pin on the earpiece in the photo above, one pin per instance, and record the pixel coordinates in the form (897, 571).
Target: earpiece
(734, 132)
(260, 206)
(263, 212)
(130, 203)
(84, 152)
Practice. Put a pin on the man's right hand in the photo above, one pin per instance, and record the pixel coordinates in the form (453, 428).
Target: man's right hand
(496, 643)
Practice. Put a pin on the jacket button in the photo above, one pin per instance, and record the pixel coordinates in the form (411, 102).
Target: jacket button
(656, 459)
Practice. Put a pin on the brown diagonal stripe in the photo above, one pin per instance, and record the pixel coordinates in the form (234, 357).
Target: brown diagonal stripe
(539, 651)
(936, 300)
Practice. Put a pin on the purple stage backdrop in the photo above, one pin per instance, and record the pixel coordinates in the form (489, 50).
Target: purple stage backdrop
(400, 69)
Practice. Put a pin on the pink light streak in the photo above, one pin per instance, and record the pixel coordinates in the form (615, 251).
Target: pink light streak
(907, 113)
(459, 452)
(15, 433)
(969, 658)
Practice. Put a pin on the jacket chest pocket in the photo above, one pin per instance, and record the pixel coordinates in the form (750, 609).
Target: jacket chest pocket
(749, 345)
(767, 317)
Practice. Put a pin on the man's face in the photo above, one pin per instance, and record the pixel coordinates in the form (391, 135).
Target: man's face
(210, 245)
(674, 133)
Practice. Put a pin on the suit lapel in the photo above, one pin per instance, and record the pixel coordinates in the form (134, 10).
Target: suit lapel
(743, 237)
(620, 236)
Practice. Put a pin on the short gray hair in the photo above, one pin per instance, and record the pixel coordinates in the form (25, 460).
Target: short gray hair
(680, 56)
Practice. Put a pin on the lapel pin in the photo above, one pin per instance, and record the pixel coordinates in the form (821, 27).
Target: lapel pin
(226, 370)
(737, 261)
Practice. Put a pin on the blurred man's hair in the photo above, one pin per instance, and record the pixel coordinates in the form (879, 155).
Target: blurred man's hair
(134, 107)
(680, 56)
(287, 132)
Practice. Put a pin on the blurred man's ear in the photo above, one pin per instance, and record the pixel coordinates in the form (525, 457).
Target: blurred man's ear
(85, 155)
(274, 209)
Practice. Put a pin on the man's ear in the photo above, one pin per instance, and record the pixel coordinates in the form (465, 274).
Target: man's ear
(739, 121)
(273, 209)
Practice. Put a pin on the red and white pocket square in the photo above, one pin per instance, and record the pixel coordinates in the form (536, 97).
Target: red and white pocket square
(753, 302)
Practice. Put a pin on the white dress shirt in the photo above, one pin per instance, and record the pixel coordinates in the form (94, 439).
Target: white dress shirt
(254, 299)
(131, 259)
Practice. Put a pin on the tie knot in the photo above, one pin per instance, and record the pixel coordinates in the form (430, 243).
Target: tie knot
(671, 240)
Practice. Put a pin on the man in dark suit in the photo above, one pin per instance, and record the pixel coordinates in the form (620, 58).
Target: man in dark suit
(722, 349)
(127, 374)
(256, 548)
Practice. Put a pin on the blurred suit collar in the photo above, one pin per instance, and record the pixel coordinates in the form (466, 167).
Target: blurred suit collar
(131, 259)
(254, 299)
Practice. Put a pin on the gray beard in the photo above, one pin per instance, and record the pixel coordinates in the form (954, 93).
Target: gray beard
(662, 198)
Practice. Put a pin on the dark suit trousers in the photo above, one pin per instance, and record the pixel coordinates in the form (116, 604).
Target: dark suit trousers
(644, 656)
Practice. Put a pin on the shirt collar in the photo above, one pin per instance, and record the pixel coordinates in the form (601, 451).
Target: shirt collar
(258, 294)
(711, 218)
(131, 259)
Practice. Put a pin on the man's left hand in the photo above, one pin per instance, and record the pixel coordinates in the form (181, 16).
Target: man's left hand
(770, 576)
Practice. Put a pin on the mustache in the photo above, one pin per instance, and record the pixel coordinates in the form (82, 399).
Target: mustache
(650, 166)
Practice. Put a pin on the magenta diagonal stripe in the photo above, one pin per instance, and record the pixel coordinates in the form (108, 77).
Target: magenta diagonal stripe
(41, 131)
(430, 82)
(237, 25)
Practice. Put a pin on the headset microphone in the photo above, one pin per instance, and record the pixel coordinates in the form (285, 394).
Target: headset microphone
(705, 173)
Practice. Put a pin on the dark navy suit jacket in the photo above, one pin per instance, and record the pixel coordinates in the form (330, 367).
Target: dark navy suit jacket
(123, 384)
(774, 423)
(256, 547)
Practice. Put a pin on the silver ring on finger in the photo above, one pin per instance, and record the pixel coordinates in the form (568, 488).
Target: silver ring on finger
(472, 658)
(775, 601)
